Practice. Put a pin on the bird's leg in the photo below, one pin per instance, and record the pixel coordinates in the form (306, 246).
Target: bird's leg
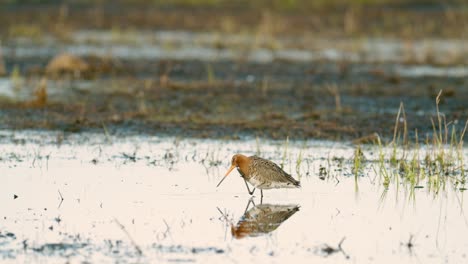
(248, 204)
(248, 189)
(261, 196)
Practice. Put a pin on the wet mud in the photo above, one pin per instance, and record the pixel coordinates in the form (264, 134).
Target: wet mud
(210, 83)
(280, 99)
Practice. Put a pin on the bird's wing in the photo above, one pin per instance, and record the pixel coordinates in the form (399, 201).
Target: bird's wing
(269, 170)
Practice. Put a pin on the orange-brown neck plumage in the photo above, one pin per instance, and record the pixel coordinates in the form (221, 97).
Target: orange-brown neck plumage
(242, 162)
(242, 230)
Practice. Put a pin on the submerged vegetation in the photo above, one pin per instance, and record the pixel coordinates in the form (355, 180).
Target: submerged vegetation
(438, 160)
(435, 161)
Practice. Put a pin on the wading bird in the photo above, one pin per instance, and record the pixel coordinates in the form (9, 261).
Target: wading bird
(261, 174)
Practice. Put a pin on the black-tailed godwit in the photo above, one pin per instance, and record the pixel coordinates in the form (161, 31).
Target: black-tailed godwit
(261, 173)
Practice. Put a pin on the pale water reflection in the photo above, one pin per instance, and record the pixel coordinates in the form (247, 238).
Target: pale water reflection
(150, 200)
(262, 219)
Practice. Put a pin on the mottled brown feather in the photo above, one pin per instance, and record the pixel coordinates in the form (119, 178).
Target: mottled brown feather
(270, 172)
(263, 173)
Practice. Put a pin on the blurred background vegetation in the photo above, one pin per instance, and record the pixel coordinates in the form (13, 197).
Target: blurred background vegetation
(336, 18)
(257, 4)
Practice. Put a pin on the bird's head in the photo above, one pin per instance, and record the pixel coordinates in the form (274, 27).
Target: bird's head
(238, 161)
(241, 231)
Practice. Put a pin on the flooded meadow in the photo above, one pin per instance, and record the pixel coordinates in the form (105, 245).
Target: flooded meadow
(116, 127)
(127, 199)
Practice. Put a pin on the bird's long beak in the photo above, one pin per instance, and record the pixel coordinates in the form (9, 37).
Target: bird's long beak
(227, 173)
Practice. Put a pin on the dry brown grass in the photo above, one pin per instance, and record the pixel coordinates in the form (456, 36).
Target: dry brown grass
(66, 63)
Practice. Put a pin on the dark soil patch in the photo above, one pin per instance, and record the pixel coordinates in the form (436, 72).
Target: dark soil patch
(296, 102)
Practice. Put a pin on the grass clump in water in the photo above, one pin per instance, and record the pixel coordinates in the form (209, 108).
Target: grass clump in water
(439, 160)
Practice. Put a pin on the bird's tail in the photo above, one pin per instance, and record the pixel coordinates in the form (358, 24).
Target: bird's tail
(297, 184)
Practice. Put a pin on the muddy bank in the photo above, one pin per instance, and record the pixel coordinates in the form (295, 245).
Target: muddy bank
(232, 99)
(201, 80)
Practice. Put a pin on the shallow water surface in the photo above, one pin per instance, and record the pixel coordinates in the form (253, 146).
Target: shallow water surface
(209, 46)
(88, 197)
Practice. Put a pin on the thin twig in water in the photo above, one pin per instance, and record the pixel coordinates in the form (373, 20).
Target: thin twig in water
(168, 229)
(122, 227)
(47, 161)
(328, 250)
(61, 199)
(167, 226)
(223, 214)
(337, 181)
(341, 249)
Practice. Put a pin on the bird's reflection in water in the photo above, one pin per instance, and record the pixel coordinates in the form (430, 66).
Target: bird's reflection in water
(262, 219)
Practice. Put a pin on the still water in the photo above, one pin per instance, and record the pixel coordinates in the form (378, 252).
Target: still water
(147, 199)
